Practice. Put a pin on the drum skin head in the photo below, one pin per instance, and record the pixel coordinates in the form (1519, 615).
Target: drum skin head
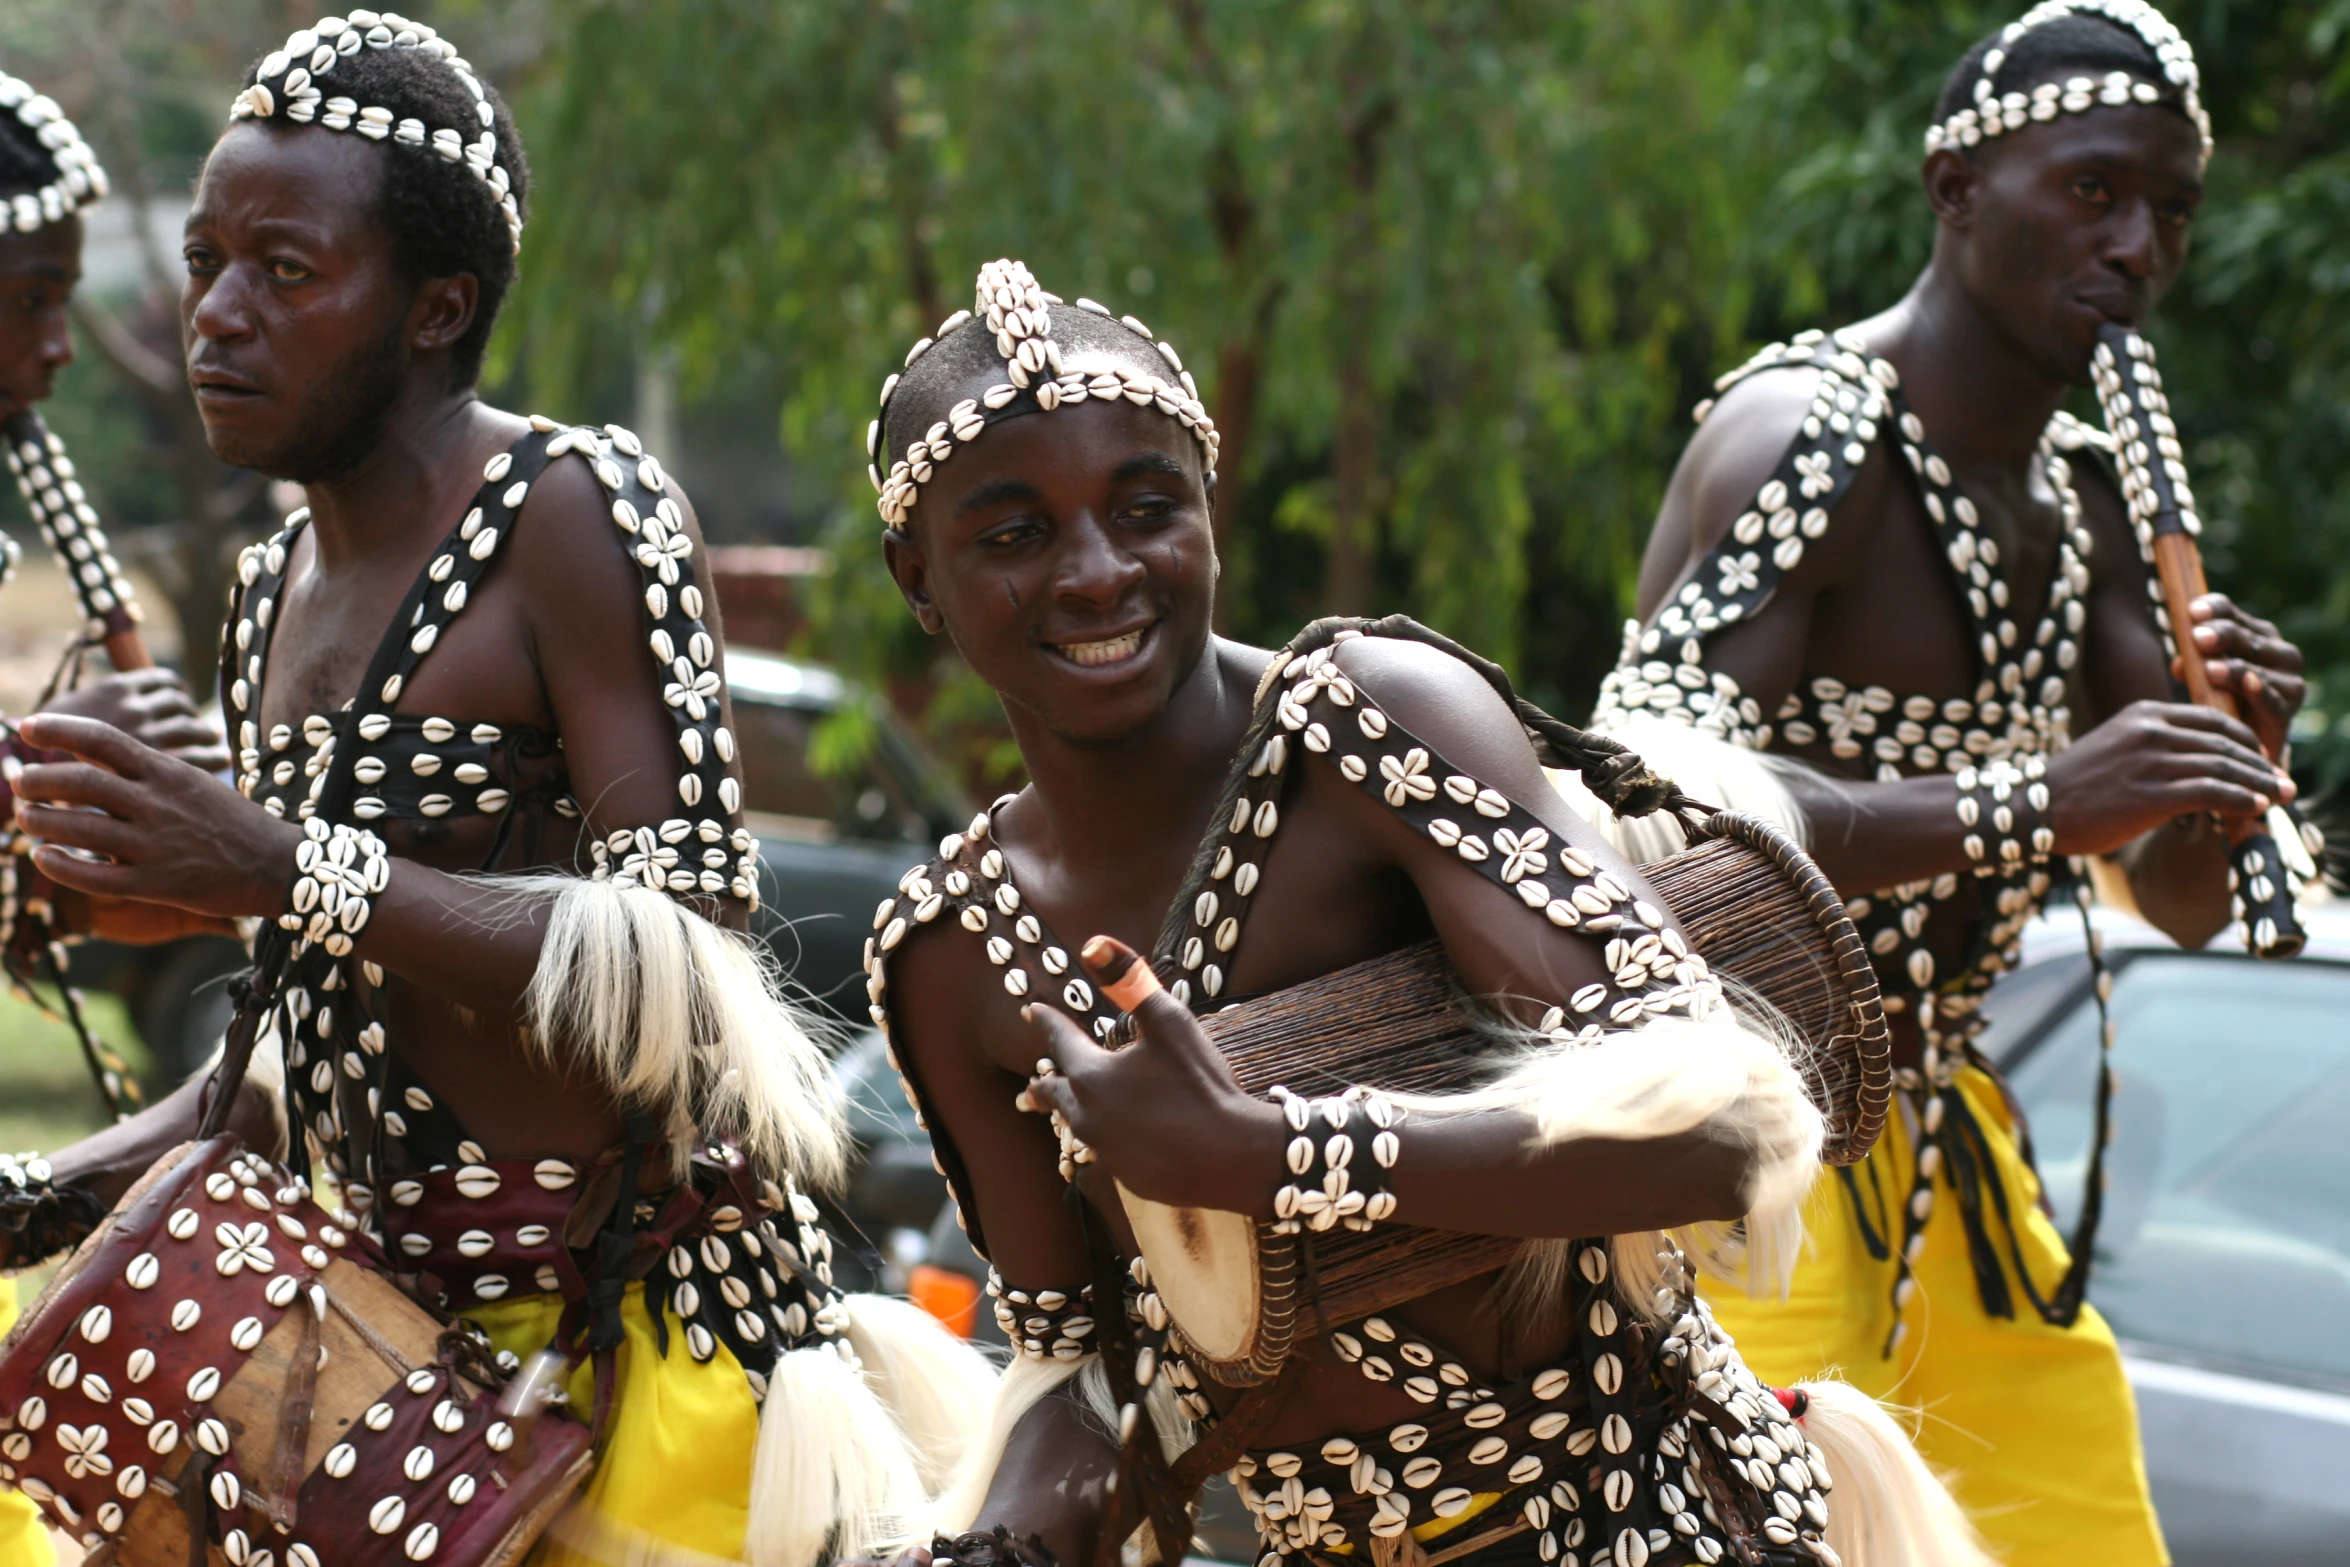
(1203, 1263)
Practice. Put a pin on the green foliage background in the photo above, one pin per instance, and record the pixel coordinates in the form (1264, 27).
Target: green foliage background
(1450, 272)
(1509, 241)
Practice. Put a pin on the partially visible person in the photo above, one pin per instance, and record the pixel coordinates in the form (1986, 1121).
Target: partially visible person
(47, 177)
(1894, 597)
(523, 1036)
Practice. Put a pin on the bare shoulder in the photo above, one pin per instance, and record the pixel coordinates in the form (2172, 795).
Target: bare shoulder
(1744, 437)
(581, 566)
(1735, 452)
(1450, 708)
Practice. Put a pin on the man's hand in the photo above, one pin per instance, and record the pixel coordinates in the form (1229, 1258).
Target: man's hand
(2250, 659)
(167, 832)
(1165, 1115)
(2152, 763)
(153, 707)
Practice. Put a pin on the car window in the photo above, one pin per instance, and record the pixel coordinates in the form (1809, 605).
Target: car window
(784, 798)
(2226, 1232)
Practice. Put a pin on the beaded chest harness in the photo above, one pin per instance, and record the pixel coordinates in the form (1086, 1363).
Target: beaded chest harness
(1619, 1465)
(747, 1265)
(1996, 740)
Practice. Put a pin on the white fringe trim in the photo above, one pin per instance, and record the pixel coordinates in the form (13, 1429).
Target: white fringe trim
(1888, 1509)
(666, 1009)
(1027, 1382)
(1708, 768)
(931, 1382)
(1726, 1075)
(832, 1478)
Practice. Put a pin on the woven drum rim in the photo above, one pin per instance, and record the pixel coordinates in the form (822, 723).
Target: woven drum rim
(1850, 1137)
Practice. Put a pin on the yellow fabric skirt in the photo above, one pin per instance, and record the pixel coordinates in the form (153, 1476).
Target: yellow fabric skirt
(2033, 1425)
(672, 1484)
(23, 1541)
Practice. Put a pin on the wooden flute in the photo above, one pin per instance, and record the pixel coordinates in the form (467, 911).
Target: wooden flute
(2162, 509)
(69, 525)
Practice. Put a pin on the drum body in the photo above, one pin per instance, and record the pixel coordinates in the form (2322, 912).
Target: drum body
(224, 1362)
(1750, 901)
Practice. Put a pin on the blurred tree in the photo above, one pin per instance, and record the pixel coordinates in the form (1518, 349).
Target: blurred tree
(1445, 271)
(1451, 274)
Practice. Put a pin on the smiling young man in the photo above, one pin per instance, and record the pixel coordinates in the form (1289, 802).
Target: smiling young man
(1050, 477)
(568, 1107)
(1887, 559)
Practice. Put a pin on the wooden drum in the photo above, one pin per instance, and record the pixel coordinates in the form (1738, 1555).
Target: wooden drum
(224, 1374)
(1750, 901)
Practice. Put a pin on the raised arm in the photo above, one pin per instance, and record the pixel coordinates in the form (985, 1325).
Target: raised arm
(1565, 1150)
(177, 836)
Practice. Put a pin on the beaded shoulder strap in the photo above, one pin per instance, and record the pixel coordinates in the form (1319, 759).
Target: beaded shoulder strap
(1859, 395)
(652, 522)
(695, 851)
(1307, 701)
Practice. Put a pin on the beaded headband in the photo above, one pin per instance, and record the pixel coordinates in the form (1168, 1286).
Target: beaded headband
(1994, 113)
(79, 183)
(288, 83)
(1019, 313)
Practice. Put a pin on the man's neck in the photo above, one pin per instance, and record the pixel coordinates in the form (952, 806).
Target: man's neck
(1139, 800)
(1982, 399)
(403, 486)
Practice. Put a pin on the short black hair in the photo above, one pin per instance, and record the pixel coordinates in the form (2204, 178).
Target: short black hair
(943, 375)
(26, 166)
(2080, 44)
(441, 218)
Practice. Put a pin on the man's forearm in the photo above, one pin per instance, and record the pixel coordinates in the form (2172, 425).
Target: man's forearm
(108, 1163)
(1870, 836)
(473, 944)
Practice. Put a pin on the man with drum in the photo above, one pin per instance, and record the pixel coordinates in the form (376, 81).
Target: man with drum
(1888, 561)
(498, 862)
(1047, 475)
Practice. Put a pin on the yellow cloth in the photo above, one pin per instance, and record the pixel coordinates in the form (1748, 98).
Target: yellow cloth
(2033, 1424)
(23, 1541)
(672, 1485)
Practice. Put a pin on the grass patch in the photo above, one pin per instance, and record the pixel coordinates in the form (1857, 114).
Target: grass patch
(46, 1097)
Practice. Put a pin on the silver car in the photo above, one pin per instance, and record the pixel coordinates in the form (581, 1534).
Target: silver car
(2223, 1260)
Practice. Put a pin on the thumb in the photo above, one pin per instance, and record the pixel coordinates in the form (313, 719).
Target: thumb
(1120, 972)
(1127, 980)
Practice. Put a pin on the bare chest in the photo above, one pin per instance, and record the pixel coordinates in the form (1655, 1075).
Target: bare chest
(1912, 618)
